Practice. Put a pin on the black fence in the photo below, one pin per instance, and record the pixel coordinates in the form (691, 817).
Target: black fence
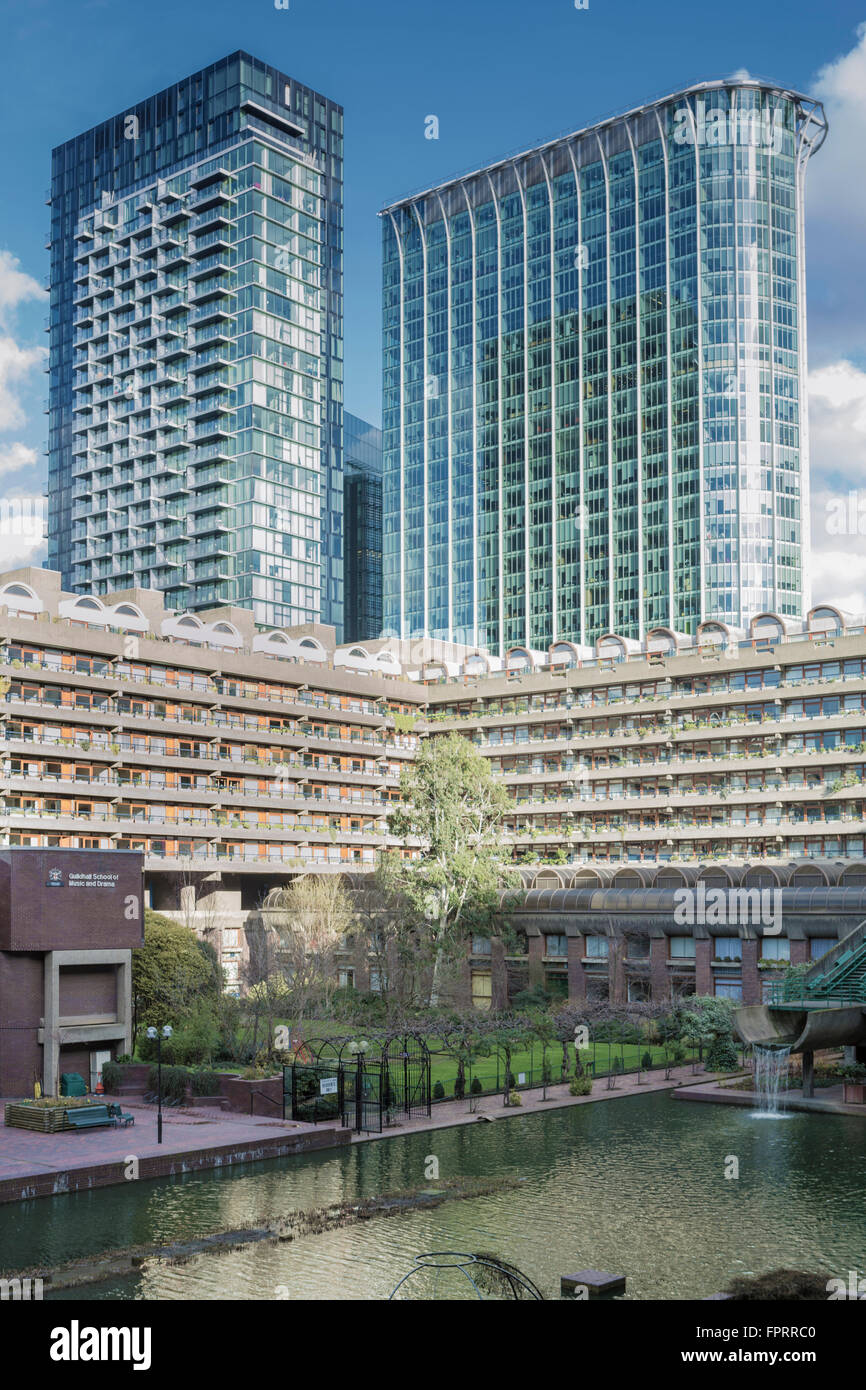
(362, 1084)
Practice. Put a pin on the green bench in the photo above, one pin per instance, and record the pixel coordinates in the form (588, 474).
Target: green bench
(90, 1117)
(120, 1117)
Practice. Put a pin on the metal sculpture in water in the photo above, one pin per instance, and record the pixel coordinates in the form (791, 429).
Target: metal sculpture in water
(489, 1277)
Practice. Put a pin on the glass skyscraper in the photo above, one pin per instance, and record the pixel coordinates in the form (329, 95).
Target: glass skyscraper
(594, 379)
(362, 559)
(196, 348)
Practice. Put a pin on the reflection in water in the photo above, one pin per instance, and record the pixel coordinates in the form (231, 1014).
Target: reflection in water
(635, 1186)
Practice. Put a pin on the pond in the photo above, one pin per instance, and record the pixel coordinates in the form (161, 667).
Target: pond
(634, 1186)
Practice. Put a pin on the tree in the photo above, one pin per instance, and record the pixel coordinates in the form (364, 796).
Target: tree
(452, 809)
(388, 933)
(305, 926)
(169, 972)
(544, 1031)
(709, 1022)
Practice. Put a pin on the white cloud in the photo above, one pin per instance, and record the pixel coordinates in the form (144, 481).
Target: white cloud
(22, 530)
(836, 210)
(837, 421)
(837, 425)
(16, 285)
(16, 456)
(16, 364)
(839, 576)
(18, 551)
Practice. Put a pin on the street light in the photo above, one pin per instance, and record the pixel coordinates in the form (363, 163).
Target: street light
(159, 1034)
(359, 1048)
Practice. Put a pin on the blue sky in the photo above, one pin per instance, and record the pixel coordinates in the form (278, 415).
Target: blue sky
(500, 75)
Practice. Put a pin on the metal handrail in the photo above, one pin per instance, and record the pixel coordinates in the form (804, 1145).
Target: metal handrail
(264, 1096)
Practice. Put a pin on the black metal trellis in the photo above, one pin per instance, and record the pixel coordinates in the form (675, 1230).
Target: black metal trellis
(364, 1081)
(475, 1269)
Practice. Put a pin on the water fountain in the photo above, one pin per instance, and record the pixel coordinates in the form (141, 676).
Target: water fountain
(771, 1068)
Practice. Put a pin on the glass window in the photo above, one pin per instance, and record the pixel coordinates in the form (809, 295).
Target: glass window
(775, 948)
(820, 945)
(556, 945)
(481, 945)
(729, 989)
(597, 947)
(682, 947)
(727, 948)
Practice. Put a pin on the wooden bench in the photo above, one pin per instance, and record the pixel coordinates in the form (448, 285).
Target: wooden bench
(90, 1117)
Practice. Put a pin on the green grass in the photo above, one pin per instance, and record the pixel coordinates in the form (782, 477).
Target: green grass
(528, 1061)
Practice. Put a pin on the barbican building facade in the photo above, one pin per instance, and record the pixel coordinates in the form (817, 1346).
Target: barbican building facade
(235, 758)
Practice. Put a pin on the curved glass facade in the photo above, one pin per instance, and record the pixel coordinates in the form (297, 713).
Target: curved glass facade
(594, 371)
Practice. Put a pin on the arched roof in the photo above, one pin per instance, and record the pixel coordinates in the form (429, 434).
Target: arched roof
(23, 598)
(516, 658)
(767, 619)
(661, 639)
(476, 659)
(561, 651)
(815, 618)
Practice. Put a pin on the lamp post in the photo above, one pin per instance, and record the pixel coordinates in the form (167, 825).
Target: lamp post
(159, 1034)
(359, 1048)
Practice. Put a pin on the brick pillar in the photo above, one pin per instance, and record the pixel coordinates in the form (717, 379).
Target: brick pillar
(659, 974)
(751, 974)
(703, 970)
(535, 951)
(576, 969)
(799, 952)
(498, 976)
(616, 971)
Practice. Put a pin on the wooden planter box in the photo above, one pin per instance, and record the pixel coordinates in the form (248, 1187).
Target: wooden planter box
(854, 1092)
(44, 1119)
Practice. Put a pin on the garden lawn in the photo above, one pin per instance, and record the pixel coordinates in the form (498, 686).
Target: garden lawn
(603, 1058)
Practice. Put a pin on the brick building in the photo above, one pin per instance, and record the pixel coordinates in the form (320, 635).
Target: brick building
(69, 921)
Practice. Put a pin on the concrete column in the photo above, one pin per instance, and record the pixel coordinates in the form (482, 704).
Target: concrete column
(808, 1074)
(51, 1025)
(123, 1001)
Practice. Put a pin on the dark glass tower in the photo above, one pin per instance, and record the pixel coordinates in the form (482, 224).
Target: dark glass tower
(594, 379)
(362, 485)
(196, 348)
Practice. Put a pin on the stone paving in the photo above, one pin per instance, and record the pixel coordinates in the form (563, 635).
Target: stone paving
(24, 1153)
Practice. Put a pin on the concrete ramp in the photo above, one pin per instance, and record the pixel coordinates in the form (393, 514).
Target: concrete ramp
(758, 1023)
(806, 1030)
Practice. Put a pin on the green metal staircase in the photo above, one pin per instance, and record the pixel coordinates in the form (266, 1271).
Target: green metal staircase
(839, 977)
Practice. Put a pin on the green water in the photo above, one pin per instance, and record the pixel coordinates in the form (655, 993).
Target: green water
(635, 1186)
